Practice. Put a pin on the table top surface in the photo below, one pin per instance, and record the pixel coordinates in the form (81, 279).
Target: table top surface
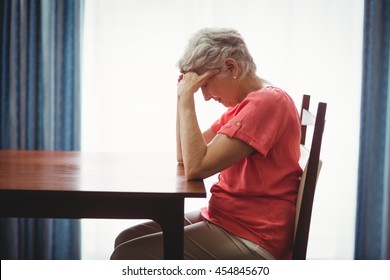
(73, 171)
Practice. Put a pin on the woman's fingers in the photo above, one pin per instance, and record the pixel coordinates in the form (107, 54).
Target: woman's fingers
(180, 78)
(191, 81)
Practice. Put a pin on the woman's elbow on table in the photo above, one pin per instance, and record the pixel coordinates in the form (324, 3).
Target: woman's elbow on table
(197, 172)
(193, 173)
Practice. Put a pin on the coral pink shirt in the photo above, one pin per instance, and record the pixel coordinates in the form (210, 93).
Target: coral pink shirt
(255, 198)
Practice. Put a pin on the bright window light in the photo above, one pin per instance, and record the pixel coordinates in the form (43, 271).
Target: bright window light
(305, 47)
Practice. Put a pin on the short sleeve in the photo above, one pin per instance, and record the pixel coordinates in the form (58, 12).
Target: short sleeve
(218, 124)
(260, 119)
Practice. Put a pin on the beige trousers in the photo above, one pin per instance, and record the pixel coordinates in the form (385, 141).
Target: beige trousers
(202, 241)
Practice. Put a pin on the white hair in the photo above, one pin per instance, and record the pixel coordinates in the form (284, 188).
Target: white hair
(210, 47)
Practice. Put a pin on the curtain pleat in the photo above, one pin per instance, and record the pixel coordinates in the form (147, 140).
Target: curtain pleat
(372, 222)
(39, 109)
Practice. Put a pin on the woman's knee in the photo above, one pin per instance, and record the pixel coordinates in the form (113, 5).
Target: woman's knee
(149, 247)
(136, 232)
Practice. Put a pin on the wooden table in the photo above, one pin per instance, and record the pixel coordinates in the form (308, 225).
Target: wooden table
(59, 184)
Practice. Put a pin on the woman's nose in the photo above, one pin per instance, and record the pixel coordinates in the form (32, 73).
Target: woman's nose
(206, 95)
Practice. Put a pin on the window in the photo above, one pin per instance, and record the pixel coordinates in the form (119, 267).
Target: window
(306, 47)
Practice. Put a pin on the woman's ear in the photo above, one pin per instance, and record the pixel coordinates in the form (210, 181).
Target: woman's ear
(232, 66)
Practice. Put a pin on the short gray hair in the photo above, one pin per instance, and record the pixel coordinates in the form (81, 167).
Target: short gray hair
(210, 47)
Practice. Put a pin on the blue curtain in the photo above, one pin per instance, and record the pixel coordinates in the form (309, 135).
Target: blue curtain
(373, 209)
(40, 43)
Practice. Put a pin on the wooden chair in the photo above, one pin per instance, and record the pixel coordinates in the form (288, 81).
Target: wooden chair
(311, 164)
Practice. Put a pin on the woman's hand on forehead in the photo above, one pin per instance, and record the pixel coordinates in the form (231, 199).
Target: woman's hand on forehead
(190, 82)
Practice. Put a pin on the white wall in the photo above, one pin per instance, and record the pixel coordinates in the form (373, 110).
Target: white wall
(304, 46)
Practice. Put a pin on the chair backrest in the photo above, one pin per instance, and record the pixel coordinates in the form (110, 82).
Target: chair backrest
(311, 165)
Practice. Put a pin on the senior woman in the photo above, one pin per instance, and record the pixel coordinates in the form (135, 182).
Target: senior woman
(254, 146)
